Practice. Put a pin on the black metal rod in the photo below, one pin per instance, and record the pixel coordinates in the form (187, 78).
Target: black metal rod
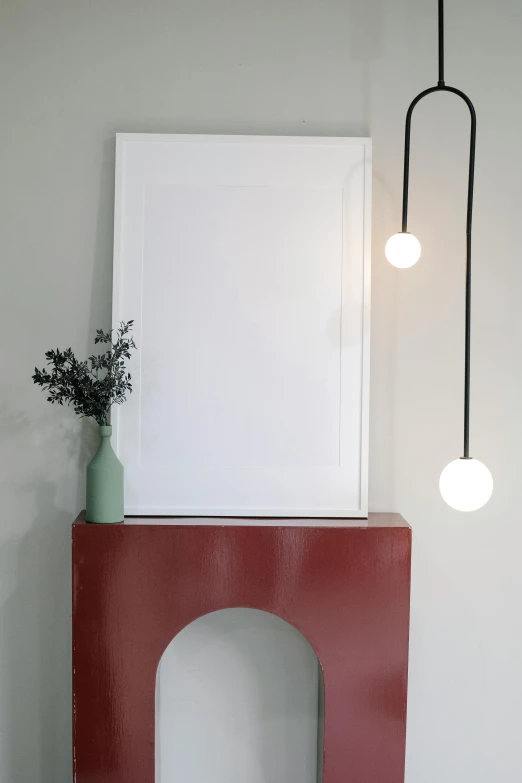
(441, 43)
(441, 87)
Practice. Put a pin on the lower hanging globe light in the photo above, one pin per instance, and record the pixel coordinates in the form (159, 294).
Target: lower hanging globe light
(466, 484)
(403, 250)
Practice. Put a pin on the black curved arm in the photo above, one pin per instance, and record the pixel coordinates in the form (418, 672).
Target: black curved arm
(441, 87)
(407, 136)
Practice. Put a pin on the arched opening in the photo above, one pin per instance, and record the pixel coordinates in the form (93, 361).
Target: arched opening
(239, 697)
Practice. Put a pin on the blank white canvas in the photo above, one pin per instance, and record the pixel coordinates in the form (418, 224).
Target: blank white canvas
(237, 701)
(244, 262)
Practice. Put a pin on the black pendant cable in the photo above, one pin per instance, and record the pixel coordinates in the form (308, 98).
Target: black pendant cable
(465, 484)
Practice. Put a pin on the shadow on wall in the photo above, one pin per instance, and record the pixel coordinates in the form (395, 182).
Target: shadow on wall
(35, 590)
(43, 454)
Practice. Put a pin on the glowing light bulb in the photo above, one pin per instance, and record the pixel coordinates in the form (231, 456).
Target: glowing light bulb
(403, 250)
(466, 484)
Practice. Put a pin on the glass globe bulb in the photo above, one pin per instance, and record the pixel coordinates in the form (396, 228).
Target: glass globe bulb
(466, 484)
(403, 250)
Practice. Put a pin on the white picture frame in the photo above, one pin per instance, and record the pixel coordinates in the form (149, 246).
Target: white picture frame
(245, 264)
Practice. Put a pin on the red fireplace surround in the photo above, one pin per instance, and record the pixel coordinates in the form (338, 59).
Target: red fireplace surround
(346, 589)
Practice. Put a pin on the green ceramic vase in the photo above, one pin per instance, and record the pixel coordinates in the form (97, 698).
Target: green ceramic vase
(105, 483)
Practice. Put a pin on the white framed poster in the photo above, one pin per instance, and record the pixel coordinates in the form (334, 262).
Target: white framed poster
(245, 264)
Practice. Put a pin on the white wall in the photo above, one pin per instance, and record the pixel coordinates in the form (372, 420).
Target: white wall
(72, 74)
(237, 699)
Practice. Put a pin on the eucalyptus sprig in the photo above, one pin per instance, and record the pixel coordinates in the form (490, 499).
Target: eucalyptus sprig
(92, 386)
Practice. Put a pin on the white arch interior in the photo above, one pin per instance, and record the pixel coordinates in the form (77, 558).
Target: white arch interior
(238, 700)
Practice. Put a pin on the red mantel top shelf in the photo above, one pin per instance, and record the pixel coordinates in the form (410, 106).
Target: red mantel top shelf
(344, 584)
(377, 519)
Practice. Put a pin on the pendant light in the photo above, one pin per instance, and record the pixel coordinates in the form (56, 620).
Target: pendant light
(465, 484)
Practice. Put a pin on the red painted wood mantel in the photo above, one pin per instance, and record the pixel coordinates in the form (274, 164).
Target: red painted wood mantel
(346, 588)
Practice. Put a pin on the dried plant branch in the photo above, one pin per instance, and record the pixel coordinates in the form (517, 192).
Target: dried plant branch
(93, 386)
